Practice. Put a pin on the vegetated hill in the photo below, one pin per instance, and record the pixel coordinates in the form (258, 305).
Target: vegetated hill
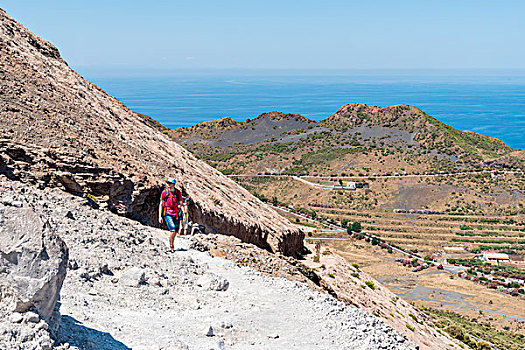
(57, 129)
(356, 138)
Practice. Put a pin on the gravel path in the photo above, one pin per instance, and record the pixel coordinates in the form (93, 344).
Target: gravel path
(125, 290)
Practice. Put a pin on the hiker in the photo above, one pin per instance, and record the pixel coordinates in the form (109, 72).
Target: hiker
(186, 223)
(169, 208)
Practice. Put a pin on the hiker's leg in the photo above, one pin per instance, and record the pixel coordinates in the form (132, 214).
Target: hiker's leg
(172, 238)
(171, 227)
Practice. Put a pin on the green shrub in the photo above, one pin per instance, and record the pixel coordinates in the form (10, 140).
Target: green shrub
(227, 171)
(370, 285)
(354, 274)
(455, 332)
(414, 318)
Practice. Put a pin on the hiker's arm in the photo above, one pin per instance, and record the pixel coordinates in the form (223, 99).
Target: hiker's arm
(160, 212)
(179, 199)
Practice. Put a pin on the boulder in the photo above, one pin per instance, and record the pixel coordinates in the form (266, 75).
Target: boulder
(133, 277)
(211, 281)
(34, 260)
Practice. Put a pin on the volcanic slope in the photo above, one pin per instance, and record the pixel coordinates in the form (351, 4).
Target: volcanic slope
(57, 129)
(123, 290)
(357, 136)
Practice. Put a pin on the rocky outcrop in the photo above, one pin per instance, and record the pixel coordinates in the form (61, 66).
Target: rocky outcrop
(60, 130)
(33, 261)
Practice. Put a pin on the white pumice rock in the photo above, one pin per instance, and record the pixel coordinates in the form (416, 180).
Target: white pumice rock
(7, 200)
(17, 204)
(16, 317)
(133, 277)
(212, 281)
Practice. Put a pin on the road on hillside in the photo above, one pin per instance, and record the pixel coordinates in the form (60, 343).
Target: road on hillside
(324, 187)
(381, 176)
(331, 188)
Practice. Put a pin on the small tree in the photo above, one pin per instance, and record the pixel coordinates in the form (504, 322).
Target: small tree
(356, 227)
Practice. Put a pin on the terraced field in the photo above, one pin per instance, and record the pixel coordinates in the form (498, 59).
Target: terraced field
(431, 233)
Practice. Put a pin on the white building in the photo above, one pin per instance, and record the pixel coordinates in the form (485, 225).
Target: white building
(495, 257)
(351, 185)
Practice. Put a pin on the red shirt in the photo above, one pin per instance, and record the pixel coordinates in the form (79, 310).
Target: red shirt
(171, 201)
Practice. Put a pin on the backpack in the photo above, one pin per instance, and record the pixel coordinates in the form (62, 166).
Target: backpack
(169, 195)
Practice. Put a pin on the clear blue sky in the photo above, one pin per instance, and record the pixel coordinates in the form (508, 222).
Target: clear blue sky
(280, 34)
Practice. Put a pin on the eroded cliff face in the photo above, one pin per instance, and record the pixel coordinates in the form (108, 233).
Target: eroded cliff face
(57, 129)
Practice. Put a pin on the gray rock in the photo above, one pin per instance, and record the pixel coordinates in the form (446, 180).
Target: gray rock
(133, 277)
(17, 204)
(7, 200)
(36, 259)
(211, 281)
(32, 317)
(208, 331)
(155, 282)
(73, 265)
(41, 325)
(16, 317)
(104, 269)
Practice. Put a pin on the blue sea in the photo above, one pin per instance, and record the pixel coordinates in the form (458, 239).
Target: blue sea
(487, 102)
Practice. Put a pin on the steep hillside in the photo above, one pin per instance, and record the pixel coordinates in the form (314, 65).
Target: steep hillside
(57, 129)
(120, 278)
(356, 137)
